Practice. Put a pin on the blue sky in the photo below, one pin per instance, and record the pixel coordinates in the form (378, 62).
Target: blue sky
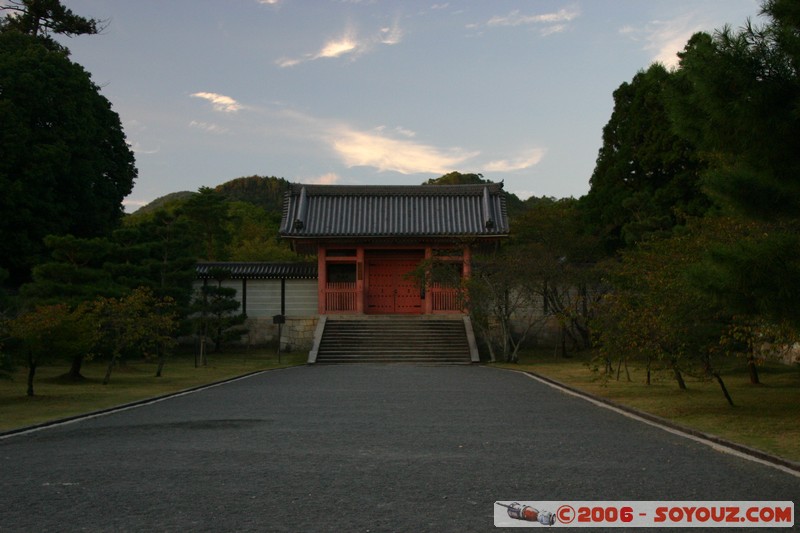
(377, 92)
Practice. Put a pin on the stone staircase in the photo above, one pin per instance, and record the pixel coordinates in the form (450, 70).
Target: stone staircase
(394, 340)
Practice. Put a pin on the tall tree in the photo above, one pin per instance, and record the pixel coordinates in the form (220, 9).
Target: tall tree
(209, 214)
(216, 312)
(64, 163)
(737, 98)
(73, 274)
(42, 17)
(158, 252)
(647, 179)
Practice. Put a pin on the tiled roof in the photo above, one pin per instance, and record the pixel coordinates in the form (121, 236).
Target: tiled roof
(312, 211)
(261, 270)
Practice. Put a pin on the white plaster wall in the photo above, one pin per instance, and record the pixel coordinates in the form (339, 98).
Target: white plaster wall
(264, 296)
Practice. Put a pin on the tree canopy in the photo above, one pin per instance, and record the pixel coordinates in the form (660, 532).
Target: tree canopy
(736, 98)
(65, 165)
(42, 17)
(647, 178)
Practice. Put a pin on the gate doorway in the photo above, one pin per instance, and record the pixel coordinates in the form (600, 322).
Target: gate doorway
(389, 289)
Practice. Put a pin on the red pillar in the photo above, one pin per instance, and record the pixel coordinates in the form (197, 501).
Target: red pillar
(322, 279)
(427, 305)
(360, 280)
(467, 272)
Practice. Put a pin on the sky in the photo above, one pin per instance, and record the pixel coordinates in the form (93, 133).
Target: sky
(377, 92)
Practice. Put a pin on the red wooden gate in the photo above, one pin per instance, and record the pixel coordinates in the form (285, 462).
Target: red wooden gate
(389, 289)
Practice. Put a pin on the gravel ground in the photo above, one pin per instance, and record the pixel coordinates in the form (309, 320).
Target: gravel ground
(355, 448)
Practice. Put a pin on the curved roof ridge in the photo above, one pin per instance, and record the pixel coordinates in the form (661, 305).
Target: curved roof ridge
(396, 190)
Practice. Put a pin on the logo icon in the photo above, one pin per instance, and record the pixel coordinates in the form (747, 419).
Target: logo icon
(527, 513)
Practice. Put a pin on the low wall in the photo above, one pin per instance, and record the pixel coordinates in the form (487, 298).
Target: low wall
(297, 334)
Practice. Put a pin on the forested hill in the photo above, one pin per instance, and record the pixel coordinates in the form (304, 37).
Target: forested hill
(164, 202)
(262, 191)
(267, 192)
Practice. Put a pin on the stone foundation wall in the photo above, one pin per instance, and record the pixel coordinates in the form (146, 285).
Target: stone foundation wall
(297, 334)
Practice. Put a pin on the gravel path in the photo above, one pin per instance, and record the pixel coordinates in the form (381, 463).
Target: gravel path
(354, 448)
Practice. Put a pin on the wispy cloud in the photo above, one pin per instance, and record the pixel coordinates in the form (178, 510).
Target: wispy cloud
(525, 160)
(349, 43)
(374, 149)
(391, 35)
(663, 39)
(222, 103)
(346, 45)
(384, 148)
(550, 30)
(516, 18)
(207, 126)
(549, 23)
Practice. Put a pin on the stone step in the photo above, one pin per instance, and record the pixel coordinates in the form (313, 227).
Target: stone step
(394, 340)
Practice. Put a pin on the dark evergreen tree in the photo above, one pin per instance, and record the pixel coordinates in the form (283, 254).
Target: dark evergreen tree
(64, 163)
(216, 311)
(647, 179)
(737, 98)
(74, 273)
(42, 17)
(209, 216)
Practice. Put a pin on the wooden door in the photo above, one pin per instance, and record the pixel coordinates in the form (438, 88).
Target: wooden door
(389, 290)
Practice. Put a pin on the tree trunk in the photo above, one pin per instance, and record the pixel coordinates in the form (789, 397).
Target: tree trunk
(678, 376)
(107, 378)
(162, 358)
(723, 387)
(31, 372)
(753, 370)
(75, 369)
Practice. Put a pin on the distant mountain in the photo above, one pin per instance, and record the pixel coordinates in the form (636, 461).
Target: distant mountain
(164, 202)
(266, 192)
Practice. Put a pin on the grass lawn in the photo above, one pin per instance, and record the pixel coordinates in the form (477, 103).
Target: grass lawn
(765, 416)
(56, 398)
